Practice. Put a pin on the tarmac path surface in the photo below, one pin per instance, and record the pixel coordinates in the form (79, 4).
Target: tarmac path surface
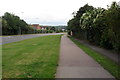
(10, 39)
(75, 63)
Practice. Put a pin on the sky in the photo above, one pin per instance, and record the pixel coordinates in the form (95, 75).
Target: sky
(48, 12)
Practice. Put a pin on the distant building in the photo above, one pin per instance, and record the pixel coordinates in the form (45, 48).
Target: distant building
(44, 27)
(36, 26)
(63, 29)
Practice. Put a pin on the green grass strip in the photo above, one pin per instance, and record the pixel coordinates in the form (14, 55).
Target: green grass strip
(108, 64)
(0, 61)
(31, 58)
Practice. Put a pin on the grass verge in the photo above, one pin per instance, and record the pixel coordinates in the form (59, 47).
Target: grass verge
(108, 64)
(0, 61)
(31, 58)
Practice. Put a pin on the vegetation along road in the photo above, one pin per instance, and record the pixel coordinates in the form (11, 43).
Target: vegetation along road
(38, 58)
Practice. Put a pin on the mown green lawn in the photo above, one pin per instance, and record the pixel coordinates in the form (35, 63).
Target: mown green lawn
(108, 64)
(31, 58)
(0, 61)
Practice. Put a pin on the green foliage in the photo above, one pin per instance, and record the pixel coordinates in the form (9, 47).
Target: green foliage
(50, 31)
(98, 25)
(74, 23)
(57, 31)
(113, 22)
(53, 29)
(93, 23)
(12, 25)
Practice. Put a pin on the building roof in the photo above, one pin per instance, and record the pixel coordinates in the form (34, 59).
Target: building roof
(35, 24)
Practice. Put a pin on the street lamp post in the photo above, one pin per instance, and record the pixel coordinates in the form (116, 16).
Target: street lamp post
(19, 30)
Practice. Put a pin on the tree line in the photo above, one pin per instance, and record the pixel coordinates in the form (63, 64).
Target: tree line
(13, 25)
(97, 25)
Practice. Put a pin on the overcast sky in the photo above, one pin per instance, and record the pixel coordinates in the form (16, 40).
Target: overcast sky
(47, 12)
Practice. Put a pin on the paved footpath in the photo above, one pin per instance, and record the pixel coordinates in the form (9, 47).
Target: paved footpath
(74, 63)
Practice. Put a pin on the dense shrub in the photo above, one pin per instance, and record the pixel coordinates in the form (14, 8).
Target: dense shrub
(97, 25)
(50, 31)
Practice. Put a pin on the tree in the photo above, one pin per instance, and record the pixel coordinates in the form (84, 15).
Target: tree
(98, 25)
(0, 25)
(12, 24)
(92, 23)
(74, 24)
(53, 29)
(113, 25)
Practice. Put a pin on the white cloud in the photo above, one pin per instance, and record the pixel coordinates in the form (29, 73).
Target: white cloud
(47, 11)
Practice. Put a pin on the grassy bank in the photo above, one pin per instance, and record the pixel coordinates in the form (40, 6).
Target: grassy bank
(31, 58)
(108, 64)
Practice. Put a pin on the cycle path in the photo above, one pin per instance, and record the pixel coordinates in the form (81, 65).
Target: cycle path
(75, 63)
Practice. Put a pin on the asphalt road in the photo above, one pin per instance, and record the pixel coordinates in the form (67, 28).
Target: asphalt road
(10, 39)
